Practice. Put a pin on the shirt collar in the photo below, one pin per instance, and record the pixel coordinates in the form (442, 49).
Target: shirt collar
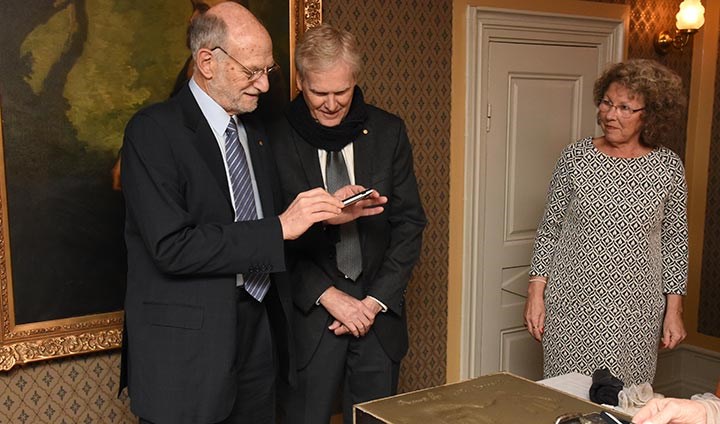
(216, 116)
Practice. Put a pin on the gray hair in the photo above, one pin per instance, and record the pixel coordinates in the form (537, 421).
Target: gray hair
(206, 31)
(323, 46)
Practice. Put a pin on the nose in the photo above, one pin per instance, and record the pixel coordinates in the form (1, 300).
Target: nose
(262, 83)
(330, 102)
(612, 113)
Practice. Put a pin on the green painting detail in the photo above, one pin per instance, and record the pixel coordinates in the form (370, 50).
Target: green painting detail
(72, 73)
(46, 44)
(132, 52)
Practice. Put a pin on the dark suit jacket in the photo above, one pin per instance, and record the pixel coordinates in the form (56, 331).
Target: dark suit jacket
(390, 241)
(183, 253)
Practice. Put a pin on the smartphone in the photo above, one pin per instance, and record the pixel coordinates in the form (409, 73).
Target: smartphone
(357, 197)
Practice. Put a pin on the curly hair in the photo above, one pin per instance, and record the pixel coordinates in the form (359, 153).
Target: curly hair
(659, 87)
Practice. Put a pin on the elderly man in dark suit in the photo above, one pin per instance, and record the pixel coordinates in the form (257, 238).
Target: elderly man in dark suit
(348, 281)
(206, 303)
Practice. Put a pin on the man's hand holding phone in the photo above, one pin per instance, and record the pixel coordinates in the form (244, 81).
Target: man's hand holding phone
(351, 200)
(358, 201)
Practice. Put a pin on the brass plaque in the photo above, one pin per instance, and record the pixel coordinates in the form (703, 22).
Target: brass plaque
(495, 398)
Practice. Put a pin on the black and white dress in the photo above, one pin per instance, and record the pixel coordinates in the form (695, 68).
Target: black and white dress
(613, 242)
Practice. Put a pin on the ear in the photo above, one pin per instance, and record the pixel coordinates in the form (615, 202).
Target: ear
(205, 64)
(298, 82)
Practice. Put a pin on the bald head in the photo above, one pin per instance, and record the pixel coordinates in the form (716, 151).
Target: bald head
(232, 52)
(226, 23)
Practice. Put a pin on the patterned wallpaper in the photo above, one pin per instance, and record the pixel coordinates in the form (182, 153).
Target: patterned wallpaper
(647, 19)
(406, 47)
(709, 315)
(65, 391)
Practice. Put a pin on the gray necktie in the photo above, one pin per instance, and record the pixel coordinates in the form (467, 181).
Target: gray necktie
(349, 257)
(256, 284)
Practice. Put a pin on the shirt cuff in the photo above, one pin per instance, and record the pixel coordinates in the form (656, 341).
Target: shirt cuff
(382, 305)
(317, 302)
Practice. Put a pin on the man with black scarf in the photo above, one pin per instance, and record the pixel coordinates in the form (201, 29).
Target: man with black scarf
(348, 281)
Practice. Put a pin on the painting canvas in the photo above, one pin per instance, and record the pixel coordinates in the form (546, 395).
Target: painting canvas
(72, 73)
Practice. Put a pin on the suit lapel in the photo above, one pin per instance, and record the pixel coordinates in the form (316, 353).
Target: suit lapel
(309, 159)
(364, 171)
(364, 162)
(204, 141)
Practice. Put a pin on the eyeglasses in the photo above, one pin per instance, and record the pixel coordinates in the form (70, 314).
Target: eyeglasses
(624, 111)
(251, 75)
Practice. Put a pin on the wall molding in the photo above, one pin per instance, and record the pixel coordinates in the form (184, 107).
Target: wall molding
(687, 370)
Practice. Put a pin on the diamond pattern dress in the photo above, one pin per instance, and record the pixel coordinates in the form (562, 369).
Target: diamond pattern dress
(613, 242)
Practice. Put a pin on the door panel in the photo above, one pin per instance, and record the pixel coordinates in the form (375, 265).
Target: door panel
(539, 99)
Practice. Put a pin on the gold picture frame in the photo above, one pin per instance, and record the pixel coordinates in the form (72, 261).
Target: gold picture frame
(26, 342)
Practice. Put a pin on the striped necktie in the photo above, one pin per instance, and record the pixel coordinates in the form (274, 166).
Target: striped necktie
(256, 284)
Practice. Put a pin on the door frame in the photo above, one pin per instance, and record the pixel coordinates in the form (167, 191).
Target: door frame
(475, 20)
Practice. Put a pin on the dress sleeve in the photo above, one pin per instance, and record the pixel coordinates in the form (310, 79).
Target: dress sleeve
(548, 232)
(674, 239)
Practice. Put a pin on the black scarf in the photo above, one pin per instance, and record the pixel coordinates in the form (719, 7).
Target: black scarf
(328, 138)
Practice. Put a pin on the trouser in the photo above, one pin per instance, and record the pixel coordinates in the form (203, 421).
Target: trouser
(359, 367)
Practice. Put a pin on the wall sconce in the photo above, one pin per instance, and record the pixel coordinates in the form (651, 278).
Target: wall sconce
(688, 20)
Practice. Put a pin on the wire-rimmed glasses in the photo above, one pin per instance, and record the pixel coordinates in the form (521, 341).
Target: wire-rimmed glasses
(252, 75)
(623, 110)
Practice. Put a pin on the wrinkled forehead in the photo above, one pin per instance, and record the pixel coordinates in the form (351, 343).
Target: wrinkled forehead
(251, 44)
(324, 65)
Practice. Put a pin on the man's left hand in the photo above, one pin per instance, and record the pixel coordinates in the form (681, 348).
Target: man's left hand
(367, 207)
(339, 329)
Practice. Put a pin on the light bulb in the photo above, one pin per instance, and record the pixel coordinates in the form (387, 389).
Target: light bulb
(691, 15)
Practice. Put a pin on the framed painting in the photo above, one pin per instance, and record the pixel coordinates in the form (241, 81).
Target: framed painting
(73, 72)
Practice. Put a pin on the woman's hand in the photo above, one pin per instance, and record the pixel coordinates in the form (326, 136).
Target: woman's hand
(535, 309)
(673, 327)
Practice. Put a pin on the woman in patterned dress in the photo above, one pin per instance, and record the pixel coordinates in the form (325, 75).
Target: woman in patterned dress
(609, 266)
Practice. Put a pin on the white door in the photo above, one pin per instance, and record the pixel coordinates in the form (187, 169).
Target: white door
(540, 99)
(533, 97)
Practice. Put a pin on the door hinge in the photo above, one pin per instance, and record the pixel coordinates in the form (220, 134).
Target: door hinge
(489, 117)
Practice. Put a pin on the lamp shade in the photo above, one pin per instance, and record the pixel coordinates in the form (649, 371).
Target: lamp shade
(691, 15)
